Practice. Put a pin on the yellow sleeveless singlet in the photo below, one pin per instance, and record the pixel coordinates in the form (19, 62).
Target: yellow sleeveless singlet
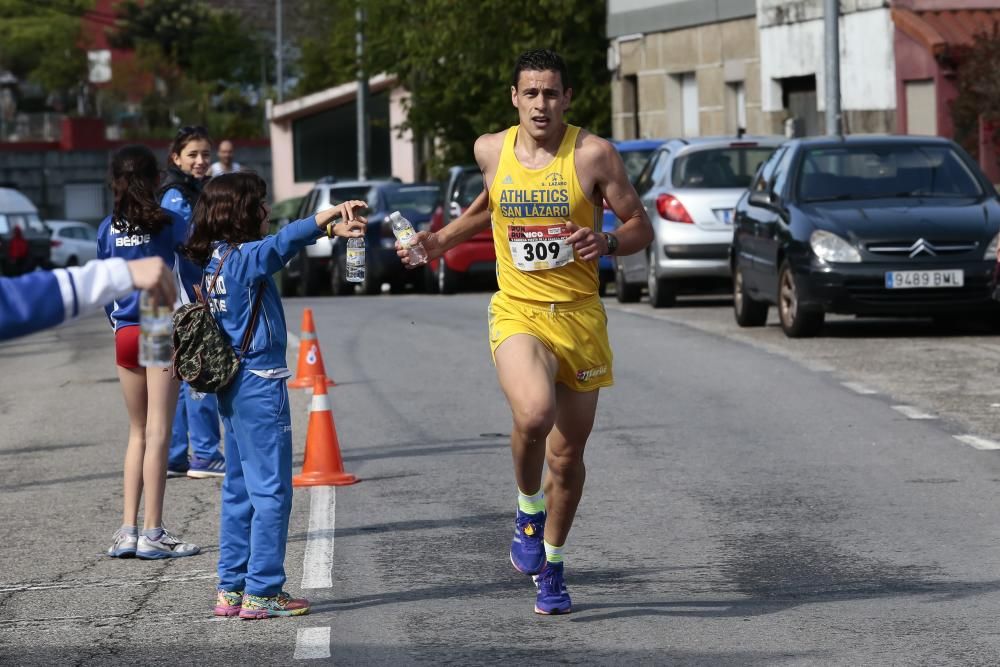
(529, 207)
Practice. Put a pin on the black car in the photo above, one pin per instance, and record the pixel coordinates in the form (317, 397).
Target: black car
(415, 201)
(864, 225)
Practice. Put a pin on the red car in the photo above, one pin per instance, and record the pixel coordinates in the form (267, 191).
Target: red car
(475, 258)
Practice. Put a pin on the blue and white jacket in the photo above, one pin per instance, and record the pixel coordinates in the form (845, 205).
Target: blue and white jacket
(248, 269)
(42, 299)
(112, 241)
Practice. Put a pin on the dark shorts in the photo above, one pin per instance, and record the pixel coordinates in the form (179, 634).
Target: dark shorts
(127, 347)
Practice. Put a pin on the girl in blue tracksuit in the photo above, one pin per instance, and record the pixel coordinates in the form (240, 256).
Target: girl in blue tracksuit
(197, 419)
(139, 228)
(231, 216)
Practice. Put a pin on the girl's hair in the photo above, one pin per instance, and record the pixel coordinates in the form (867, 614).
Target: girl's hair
(230, 209)
(184, 135)
(134, 174)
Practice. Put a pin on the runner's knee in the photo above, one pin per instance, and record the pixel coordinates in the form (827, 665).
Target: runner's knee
(534, 423)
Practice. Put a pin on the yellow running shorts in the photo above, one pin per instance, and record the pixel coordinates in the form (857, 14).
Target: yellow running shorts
(576, 333)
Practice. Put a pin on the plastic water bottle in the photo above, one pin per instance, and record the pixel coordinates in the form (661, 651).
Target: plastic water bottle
(356, 259)
(156, 328)
(406, 236)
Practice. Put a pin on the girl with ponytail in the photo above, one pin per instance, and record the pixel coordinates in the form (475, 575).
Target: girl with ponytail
(138, 227)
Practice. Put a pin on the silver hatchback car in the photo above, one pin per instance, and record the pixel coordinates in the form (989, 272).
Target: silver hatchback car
(689, 188)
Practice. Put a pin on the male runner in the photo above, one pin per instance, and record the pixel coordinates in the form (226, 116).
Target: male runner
(545, 185)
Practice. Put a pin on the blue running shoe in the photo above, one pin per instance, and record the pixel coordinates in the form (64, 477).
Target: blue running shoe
(204, 468)
(552, 598)
(527, 553)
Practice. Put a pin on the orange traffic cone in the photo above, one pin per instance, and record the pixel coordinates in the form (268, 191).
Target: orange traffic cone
(310, 358)
(323, 465)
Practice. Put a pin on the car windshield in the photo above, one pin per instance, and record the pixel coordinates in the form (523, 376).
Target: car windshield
(420, 198)
(635, 161)
(883, 172)
(26, 221)
(730, 167)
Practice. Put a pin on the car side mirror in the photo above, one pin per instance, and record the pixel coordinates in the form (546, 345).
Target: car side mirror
(765, 199)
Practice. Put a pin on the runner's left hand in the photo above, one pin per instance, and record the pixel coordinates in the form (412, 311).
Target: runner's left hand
(588, 244)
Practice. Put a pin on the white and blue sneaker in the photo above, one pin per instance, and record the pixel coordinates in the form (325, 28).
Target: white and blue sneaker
(204, 468)
(165, 546)
(124, 545)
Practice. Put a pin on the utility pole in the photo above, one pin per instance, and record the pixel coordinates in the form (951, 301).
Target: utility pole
(359, 16)
(831, 21)
(278, 52)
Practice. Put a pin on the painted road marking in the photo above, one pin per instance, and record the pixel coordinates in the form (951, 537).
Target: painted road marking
(977, 442)
(859, 388)
(317, 569)
(312, 643)
(911, 412)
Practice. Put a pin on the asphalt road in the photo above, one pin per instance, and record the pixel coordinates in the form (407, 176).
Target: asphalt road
(743, 506)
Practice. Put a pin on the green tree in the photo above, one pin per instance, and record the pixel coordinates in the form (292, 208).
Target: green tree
(978, 89)
(456, 60)
(41, 41)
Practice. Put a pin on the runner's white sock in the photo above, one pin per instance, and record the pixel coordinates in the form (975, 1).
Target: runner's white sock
(553, 554)
(531, 504)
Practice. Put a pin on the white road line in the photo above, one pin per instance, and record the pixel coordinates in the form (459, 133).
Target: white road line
(977, 442)
(911, 412)
(859, 388)
(317, 569)
(312, 643)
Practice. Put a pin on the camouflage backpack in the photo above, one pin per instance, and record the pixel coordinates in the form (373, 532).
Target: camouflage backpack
(203, 354)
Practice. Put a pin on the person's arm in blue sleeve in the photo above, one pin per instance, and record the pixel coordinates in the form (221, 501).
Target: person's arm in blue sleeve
(43, 299)
(262, 258)
(174, 200)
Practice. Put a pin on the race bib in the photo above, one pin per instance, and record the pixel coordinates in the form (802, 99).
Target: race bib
(540, 247)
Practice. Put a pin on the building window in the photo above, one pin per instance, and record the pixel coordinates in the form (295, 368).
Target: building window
(313, 139)
(689, 104)
(798, 97)
(736, 107)
(921, 107)
(630, 105)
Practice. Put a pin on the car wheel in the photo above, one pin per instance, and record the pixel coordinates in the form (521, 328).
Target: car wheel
(448, 281)
(748, 312)
(371, 285)
(289, 285)
(662, 293)
(624, 292)
(796, 322)
(72, 261)
(309, 276)
(339, 285)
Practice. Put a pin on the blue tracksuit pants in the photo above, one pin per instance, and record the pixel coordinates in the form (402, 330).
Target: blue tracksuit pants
(257, 489)
(196, 421)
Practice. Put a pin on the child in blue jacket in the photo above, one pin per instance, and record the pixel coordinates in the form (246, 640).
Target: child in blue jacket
(231, 217)
(197, 420)
(139, 228)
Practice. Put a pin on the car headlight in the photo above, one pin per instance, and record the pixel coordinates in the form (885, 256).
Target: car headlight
(831, 248)
(991, 249)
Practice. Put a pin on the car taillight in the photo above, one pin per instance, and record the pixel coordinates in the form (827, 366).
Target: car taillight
(56, 243)
(670, 208)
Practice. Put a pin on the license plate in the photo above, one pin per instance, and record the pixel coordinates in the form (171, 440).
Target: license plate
(919, 279)
(724, 215)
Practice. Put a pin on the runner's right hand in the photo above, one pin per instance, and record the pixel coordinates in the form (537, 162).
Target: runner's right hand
(431, 244)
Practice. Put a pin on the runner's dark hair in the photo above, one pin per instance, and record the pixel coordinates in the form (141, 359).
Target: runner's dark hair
(133, 177)
(230, 210)
(541, 60)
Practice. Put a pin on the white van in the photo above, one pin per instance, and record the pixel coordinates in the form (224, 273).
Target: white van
(24, 239)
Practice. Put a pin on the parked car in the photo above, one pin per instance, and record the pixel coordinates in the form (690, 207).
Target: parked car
(865, 225)
(689, 188)
(635, 154)
(72, 242)
(475, 257)
(416, 201)
(24, 238)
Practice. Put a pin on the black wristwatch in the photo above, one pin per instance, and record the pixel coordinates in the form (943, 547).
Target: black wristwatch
(612, 242)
